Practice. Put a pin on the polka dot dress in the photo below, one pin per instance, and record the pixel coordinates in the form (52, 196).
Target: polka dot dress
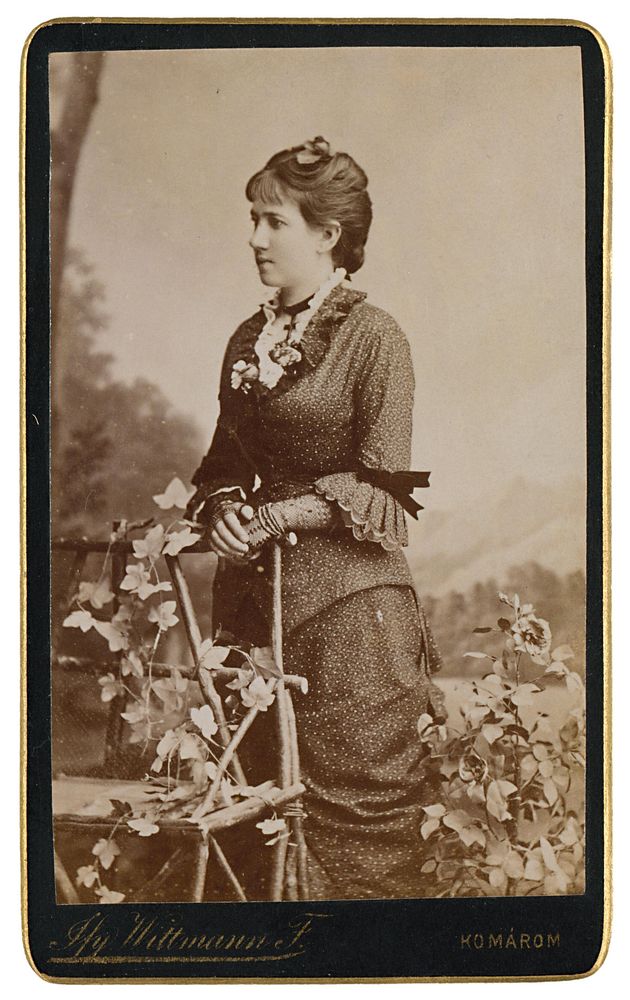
(350, 614)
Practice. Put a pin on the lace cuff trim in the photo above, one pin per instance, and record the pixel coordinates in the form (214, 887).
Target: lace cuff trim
(372, 513)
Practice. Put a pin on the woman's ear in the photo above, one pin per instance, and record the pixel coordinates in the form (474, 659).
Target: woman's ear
(330, 234)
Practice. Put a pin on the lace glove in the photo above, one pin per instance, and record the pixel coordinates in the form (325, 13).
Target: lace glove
(275, 520)
(206, 502)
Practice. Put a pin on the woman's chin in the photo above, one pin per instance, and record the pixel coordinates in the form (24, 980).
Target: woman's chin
(266, 277)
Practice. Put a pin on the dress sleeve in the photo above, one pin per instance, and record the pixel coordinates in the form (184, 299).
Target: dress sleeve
(383, 404)
(225, 472)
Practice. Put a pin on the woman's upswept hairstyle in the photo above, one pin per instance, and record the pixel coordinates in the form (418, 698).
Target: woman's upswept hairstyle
(325, 186)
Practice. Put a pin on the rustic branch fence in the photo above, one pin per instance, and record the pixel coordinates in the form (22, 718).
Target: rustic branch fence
(282, 792)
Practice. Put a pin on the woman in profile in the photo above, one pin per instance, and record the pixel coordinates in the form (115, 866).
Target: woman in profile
(314, 437)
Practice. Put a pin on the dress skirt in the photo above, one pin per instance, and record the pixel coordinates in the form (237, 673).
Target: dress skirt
(360, 756)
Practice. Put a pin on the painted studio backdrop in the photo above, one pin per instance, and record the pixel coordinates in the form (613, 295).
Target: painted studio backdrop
(476, 173)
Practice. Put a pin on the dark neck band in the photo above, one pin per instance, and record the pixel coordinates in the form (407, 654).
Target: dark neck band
(297, 307)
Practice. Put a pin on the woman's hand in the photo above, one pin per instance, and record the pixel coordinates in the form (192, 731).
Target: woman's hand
(227, 533)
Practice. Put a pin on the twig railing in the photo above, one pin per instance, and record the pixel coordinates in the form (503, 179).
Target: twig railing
(289, 870)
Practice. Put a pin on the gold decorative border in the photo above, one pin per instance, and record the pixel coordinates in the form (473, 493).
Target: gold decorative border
(606, 496)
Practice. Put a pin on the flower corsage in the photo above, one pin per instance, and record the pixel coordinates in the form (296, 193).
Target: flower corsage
(276, 351)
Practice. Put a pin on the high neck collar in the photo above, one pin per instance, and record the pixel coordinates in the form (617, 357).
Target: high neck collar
(297, 307)
(315, 341)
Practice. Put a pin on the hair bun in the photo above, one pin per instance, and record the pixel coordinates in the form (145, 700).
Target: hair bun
(314, 150)
(324, 185)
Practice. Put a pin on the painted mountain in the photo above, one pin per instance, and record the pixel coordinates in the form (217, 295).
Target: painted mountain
(523, 522)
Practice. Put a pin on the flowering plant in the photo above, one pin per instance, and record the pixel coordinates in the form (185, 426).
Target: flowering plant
(508, 786)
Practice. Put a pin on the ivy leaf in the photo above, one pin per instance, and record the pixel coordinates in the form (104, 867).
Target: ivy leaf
(496, 799)
(116, 638)
(163, 615)
(270, 826)
(562, 653)
(178, 540)
(110, 687)
(108, 895)
(497, 878)
(87, 876)
(470, 835)
(457, 819)
(491, 732)
(429, 866)
(144, 827)
(570, 835)
(476, 714)
(523, 694)
(259, 693)
(574, 682)
(242, 679)
(204, 719)
(150, 546)
(546, 769)
(189, 748)
(137, 714)
(170, 690)
(211, 656)
(534, 871)
(262, 657)
(551, 791)
(167, 744)
(428, 827)
(532, 830)
(80, 619)
(504, 625)
(148, 589)
(106, 851)
(438, 809)
(549, 855)
(179, 682)
(513, 865)
(98, 594)
(167, 694)
(175, 495)
(135, 576)
(131, 664)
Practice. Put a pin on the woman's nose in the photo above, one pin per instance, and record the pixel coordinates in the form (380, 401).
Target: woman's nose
(258, 240)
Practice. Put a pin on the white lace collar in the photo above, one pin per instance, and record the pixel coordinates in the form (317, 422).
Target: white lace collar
(270, 372)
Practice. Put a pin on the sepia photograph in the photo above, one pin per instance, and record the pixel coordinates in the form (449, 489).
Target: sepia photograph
(319, 472)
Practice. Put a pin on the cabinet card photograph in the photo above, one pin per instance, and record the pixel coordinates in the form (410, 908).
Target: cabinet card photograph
(316, 518)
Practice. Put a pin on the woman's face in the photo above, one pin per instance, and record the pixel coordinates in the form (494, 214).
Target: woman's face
(288, 250)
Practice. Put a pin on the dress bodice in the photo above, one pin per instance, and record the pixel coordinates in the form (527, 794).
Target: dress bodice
(347, 404)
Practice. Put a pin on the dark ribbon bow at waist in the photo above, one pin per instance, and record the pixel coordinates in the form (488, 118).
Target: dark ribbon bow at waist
(400, 484)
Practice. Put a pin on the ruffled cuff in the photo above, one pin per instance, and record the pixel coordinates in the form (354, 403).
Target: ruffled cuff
(372, 513)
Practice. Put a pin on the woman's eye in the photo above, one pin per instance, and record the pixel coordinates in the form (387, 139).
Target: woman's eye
(276, 223)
